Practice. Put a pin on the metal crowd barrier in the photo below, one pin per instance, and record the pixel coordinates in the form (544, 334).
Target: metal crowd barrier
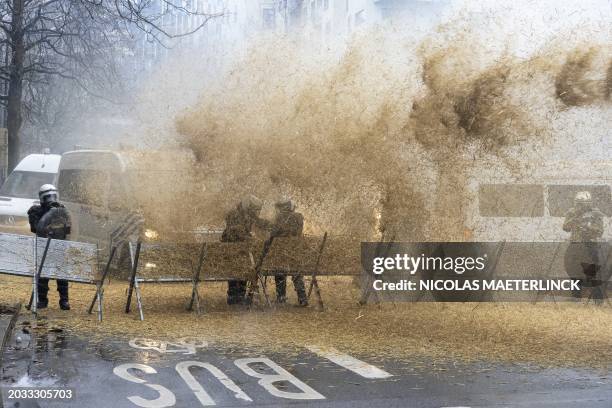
(250, 261)
(36, 257)
(192, 263)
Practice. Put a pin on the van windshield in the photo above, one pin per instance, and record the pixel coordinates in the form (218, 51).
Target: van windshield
(25, 184)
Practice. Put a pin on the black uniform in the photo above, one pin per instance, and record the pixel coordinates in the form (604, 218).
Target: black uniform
(288, 224)
(238, 225)
(585, 224)
(50, 220)
(584, 257)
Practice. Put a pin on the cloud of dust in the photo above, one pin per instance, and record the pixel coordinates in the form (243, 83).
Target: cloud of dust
(325, 130)
(586, 77)
(385, 136)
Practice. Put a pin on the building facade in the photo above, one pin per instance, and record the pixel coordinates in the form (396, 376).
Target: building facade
(235, 20)
(333, 18)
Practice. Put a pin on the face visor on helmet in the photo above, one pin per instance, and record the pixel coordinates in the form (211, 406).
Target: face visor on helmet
(583, 199)
(285, 205)
(47, 194)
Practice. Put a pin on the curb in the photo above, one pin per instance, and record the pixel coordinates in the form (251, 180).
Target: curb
(5, 339)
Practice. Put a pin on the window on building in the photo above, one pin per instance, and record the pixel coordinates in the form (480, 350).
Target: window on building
(295, 15)
(269, 18)
(511, 200)
(313, 11)
(561, 198)
(359, 18)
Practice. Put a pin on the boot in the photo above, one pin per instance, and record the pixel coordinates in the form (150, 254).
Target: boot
(281, 288)
(42, 303)
(62, 289)
(63, 302)
(64, 305)
(43, 290)
(236, 292)
(233, 300)
(300, 289)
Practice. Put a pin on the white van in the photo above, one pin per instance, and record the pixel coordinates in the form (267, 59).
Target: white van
(100, 188)
(20, 190)
(84, 184)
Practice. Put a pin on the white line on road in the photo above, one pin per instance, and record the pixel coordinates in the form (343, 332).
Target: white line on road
(350, 363)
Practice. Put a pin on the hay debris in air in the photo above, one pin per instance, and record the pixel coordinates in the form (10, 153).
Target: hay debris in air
(382, 139)
(385, 138)
(545, 333)
(231, 260)
(165, 260)
(295, 254)
(341, 256)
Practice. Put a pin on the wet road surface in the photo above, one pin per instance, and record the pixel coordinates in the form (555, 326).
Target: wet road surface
(142, 372)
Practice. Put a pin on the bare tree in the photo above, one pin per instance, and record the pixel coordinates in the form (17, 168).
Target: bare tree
(72, 39)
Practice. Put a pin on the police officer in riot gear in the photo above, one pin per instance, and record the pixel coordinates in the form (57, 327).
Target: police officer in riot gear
(238, 228)
(50, 219)
(584, 222)
(288, 223)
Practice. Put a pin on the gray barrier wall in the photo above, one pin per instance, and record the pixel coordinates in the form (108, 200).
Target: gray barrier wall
(21, 255)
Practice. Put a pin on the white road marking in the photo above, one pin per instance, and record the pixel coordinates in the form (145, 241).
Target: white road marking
(268, 381)
(204, 398)
(350, 363)
(184, 345)
(166, 397)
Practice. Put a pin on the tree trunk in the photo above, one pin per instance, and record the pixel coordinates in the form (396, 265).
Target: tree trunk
(15, 91)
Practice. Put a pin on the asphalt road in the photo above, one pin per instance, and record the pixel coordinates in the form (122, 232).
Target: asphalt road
(189, 373)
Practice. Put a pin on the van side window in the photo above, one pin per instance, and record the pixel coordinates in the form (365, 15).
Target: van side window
(82, 186)
(561, 198)
(511, 200)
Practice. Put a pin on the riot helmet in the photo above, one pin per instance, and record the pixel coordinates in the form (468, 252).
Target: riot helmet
(47, 194)
(583, 199)
(285, 204)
